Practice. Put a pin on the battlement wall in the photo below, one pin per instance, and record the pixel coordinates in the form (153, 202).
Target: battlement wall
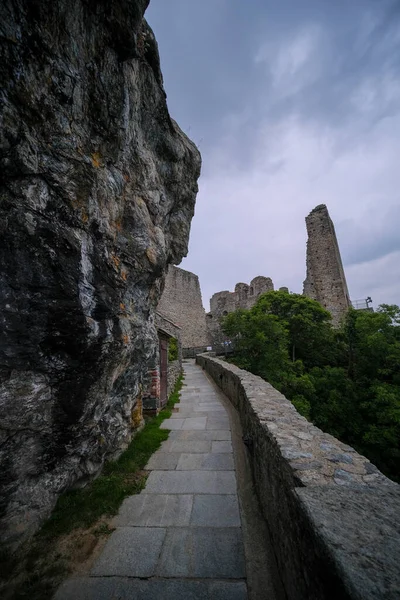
(245, 296)
(332, 515)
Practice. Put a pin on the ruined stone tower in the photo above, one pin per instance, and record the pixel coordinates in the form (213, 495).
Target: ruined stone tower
(181, 303)
(245, 296)
(325, 281)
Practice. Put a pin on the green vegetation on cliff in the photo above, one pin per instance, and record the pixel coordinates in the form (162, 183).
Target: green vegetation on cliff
(346, 381)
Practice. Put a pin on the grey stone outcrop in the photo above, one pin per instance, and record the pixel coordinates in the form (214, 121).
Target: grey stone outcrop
(98, 187)
(331, 513)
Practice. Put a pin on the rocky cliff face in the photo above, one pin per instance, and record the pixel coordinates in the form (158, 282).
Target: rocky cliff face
(98, 187)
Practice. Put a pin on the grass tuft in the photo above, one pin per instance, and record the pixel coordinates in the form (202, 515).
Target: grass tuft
(39, 568)
(119, 479)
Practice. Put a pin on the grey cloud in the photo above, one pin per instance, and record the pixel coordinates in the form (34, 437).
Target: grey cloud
(370, 239)
(263, 169)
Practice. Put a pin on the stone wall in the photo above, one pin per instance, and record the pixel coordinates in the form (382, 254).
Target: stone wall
(325, 280)
(174, 370)
(245, 296)
(175, 366)
(97, 188)
(181, 303)
(151, 389)
(331, 513)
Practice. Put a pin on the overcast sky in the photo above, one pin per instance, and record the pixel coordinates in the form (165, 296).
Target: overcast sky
(292, 104)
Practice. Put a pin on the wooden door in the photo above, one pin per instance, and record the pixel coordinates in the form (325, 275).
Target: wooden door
(163, 371)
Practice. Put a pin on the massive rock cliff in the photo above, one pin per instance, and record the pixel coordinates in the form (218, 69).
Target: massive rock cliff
(98, 187)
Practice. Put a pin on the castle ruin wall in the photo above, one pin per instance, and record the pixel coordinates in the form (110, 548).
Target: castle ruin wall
(181, 303)
(221, 303)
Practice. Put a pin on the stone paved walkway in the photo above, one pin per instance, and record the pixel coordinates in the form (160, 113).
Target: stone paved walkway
(180, 538)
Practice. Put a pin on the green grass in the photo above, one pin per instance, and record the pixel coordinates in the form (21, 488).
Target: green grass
(39, 568)
(119, 479)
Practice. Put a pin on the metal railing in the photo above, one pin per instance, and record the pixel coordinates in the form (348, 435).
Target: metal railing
(362, 304)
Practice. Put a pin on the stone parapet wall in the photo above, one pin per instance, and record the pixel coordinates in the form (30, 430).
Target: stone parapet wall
(331, 513)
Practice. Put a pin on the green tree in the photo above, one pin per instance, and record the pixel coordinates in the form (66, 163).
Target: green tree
(308, 325)
(260, 343)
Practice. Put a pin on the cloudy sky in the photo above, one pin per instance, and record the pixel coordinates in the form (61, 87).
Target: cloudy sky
(292, 104)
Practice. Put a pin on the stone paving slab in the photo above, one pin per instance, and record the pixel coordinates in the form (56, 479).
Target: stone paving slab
(212, 411)
(187, 445)
(217, 434)
(195, 407)
(199, 395)
(119, 588)
(190, 423)
(215, 511)
(191, 482)
(155, 510)
(123, 554)
(163, 461)
(206, 462)
(194, 423)
(221, 446)
(186, 414)
(202, 552)
(172, 424)
(193, 398)
(214, 423)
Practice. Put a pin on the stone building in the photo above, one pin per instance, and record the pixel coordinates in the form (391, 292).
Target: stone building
(181, 303)
(222, 303)
(325, 280)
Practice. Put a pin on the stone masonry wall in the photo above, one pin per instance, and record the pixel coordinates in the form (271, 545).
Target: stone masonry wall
(331, 513)
(181, 303)
(174, 370)
(245, 296)
(175, 366)
(325, 281)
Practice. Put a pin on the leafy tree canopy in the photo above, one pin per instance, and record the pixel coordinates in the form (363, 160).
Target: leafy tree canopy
(347, 380)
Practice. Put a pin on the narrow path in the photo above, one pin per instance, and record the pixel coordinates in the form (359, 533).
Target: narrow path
(182, 536)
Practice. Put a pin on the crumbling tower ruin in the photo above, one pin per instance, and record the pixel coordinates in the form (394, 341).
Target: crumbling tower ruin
(245, 296)
(325, 281)
(181, 303)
